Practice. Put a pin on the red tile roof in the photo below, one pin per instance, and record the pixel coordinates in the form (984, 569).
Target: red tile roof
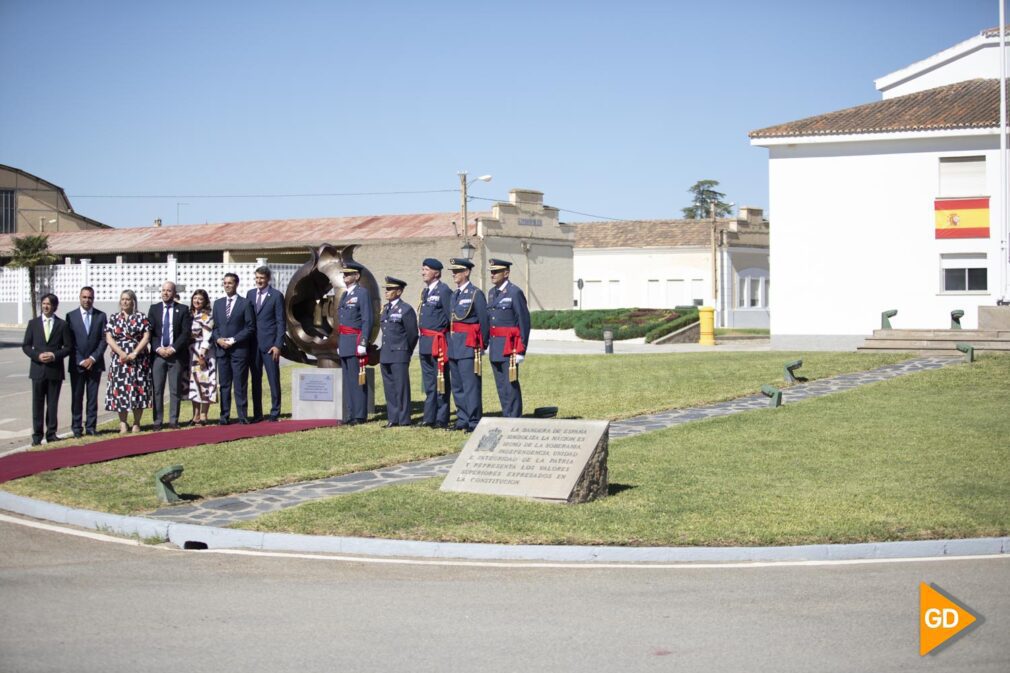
(969, 104)
(257, 234)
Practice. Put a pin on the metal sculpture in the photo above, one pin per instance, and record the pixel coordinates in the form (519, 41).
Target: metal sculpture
(310, 307)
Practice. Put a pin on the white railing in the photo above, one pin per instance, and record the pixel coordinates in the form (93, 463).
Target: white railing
(109, 280)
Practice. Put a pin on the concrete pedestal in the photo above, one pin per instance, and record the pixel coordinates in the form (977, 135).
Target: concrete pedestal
(318, 393)
(994, 317)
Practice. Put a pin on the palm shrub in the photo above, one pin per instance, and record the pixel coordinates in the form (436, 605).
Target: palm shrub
(30, 252)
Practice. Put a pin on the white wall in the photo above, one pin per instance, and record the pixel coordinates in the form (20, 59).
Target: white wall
(620, 278)
(854, 235)
(976, 58)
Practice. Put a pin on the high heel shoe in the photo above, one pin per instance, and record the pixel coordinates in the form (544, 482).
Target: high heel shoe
(136, 428)
(122, 428)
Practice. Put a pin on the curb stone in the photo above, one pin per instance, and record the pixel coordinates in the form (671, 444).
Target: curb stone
(227, 538)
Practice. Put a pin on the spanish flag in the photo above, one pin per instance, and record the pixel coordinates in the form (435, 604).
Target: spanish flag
(962, 218)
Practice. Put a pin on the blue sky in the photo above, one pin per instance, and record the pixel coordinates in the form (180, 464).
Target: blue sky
(610, 109)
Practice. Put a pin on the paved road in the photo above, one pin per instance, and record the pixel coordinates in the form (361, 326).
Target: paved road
(78, 604)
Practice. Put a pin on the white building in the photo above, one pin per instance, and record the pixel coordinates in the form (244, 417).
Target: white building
(668, 263)
(872, 203)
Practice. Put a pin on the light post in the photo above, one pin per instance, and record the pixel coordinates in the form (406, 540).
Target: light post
(463, 186)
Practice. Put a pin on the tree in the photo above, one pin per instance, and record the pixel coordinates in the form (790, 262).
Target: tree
(705, 195)
(30, 252)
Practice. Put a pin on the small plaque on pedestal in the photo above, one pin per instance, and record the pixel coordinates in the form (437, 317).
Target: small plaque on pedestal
(318, 393)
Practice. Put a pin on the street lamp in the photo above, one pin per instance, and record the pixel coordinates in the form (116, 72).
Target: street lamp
(463, 185)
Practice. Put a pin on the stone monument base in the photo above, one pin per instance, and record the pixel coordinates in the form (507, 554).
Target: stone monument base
(994, 317)
(318, 393)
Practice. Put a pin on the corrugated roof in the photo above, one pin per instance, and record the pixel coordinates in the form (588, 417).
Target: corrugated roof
(645, 233)
(255, 234)
(969, 104)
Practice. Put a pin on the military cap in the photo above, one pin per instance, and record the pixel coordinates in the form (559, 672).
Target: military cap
(459, 264)
(432, 263)
(499, 264)
(394, 283)
(352, 267)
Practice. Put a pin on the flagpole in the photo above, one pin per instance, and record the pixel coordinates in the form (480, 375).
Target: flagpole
(1004, 256)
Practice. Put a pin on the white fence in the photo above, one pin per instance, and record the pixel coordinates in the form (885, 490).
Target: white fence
(109, 281)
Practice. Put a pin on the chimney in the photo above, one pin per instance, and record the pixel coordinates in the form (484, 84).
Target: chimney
(529, 196)
(751, 215)
(157, 222)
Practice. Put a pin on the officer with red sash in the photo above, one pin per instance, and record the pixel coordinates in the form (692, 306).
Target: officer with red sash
(467, 339)
(433, 321)
(510, 332)
(354, 318)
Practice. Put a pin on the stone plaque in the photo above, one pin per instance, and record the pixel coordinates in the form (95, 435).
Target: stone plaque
(315, 387)
(547, 459)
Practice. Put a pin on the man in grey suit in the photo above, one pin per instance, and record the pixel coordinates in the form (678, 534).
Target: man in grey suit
(268, 307)
(86, 362)
(46, 342)
(171, 324)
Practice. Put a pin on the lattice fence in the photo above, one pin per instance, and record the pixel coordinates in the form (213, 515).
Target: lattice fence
(109, 280)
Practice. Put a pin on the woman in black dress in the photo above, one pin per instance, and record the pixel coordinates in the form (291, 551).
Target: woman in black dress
(130, 380)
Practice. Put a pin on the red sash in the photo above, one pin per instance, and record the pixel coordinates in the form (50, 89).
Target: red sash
(438, 346)
(474, 339)
(513, 339)
(362, 359)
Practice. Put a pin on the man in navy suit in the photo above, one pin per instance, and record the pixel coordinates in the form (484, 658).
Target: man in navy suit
(46, 342)
(399, 338)
(232, 335)
(510, 332)
(467, 339)
(171, 326)
(268, 306)
(86, 362)
(354, 318)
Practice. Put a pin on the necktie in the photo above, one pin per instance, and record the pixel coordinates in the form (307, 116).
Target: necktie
(227, 310)
(259, 300)
(166, 326)
(48, 327)
(87, 322)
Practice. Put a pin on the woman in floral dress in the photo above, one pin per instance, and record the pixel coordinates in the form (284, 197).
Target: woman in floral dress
(202, 368)
(130, 382)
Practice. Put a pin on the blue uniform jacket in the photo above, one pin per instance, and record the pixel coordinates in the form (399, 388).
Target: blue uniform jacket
(434, 312)
(467, 306)
(355, 310)
(507, 309)
(399, 333)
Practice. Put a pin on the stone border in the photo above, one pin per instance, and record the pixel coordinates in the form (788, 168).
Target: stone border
(225, 538)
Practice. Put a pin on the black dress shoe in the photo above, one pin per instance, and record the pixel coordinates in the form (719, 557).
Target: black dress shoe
(91, 433)
(156, 427)
(352, 422)
(439, 426)
(273, 419)
(78, 435)
(256, 419)
(422, 424)
(36, 442)
(243, 421)
(173, 426)
(223, 421)
(52, 438)
(389, 425)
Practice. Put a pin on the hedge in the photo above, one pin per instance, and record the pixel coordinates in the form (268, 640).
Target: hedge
(626, 323)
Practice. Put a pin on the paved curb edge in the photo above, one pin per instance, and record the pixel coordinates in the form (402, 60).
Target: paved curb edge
(227, 538)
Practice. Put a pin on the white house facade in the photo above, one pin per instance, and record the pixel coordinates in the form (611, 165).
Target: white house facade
(669, 263)
(891, 205)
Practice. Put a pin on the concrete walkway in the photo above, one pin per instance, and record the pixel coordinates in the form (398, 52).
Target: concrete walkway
(232, 509)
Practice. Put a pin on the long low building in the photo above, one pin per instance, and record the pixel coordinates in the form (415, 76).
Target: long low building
(522, 230)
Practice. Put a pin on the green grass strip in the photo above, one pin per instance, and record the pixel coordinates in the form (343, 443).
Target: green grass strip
(923, 456)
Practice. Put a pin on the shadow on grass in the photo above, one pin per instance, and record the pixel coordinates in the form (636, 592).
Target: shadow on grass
(614, 489)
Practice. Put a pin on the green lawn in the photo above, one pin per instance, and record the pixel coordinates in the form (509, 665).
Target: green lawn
(598, 386)
(919, 457)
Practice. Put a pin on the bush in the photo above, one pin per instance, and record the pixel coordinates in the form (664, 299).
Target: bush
(626, 323)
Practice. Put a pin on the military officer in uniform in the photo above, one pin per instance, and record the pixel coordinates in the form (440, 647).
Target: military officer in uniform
(510, 332)
(467, 339)
(433, 321)
(354, 317)
(399, 338)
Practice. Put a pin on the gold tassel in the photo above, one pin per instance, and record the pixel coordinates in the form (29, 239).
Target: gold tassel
(513, 372)
(361, 376)
(440, 386)
(476, 361)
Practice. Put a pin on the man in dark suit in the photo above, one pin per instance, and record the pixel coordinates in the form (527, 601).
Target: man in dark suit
(354, 318)
(399, 338)
(234, 325)
(171, 324)
(86, 362)
(268, 306)
(46, 342)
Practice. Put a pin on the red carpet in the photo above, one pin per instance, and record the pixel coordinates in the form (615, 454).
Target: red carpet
(32, 462)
